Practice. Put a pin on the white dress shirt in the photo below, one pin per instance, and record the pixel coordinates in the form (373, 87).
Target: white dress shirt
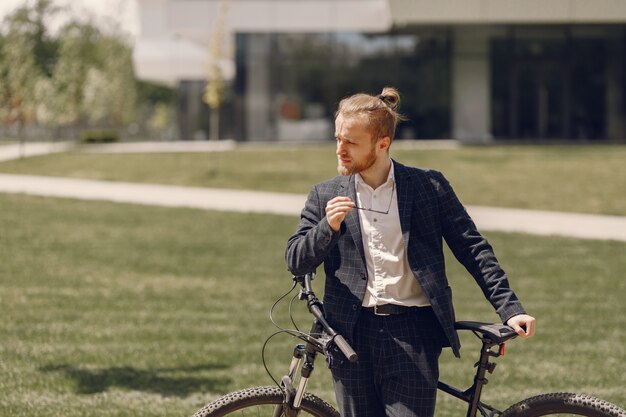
(389, 277)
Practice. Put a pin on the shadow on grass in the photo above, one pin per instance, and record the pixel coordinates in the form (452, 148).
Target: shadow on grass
(164, 381)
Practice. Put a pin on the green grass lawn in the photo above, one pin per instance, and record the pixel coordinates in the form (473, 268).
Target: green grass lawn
(589, 179)
(122, 310)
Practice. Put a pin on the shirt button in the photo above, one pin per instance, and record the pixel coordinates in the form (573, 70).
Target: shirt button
(375, 220)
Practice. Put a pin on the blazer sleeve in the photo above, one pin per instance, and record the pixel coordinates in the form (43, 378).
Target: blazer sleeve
(474, 252)
(313, 239)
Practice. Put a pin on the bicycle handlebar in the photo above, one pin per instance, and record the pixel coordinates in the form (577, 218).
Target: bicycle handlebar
(345, 348)
(315, 308)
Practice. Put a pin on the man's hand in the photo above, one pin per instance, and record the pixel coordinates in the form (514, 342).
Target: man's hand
(523, 324)
(336, 211)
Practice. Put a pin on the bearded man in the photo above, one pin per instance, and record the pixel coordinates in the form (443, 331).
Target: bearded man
(379, 228)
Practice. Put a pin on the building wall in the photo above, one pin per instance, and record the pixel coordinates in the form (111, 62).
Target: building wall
(475, 83)
(476, 70)
(499, 12)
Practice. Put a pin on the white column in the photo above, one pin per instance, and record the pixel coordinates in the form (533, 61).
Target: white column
(258, 103)
(471, 91)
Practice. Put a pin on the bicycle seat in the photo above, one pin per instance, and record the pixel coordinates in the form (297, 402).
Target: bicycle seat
(498, 333)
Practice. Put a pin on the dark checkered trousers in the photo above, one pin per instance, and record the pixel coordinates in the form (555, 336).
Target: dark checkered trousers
(397, 370)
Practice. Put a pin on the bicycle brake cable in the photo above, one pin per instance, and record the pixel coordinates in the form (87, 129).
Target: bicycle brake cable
(291, 314)
(278, 301)
(263, 358)
(292, 332)
(300, 335)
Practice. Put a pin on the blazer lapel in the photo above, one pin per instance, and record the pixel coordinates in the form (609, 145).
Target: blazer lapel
(352, 221)
(405, 202)
(405, 207)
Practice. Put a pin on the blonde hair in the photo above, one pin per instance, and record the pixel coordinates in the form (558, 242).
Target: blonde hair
(380, 111)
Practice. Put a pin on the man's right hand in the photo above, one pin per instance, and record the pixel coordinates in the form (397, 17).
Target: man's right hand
(336, 211)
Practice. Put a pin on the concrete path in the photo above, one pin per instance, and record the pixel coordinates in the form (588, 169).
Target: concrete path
(160, 147)
(487, 218)
(12, 151)
(153, 194)
(16, 151)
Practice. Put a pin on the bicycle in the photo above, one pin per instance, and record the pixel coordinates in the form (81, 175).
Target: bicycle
(290, 399)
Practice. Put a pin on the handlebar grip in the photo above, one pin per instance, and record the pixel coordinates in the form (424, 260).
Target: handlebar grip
(345, 348)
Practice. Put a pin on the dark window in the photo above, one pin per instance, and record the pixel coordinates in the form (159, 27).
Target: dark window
(548, 83)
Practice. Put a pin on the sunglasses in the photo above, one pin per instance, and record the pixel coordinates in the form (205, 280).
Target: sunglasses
(379, 211)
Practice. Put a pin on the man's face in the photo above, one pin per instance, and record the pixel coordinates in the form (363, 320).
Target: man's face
(356, 151)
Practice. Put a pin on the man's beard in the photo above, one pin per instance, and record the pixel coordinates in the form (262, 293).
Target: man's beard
(356, 167)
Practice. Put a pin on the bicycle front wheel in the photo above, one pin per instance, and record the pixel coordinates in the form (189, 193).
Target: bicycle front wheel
(262, 402)
(563, 404)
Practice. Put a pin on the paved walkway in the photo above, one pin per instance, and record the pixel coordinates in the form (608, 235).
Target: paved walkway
(585, 226)
(160, 147)
(488, 218)
(16, 151)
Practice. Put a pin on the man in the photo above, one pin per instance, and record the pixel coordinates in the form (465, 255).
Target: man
(378, 228)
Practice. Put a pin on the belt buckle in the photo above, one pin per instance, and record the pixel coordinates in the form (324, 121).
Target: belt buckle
(376, 313)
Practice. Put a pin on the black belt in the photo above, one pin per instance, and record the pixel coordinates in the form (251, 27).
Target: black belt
(391, 309)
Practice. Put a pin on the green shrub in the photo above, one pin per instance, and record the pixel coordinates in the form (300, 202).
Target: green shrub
(99, 136)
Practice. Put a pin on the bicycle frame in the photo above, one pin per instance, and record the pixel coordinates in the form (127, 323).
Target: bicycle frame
(290, 398)
(322, 334)
(305, 355)
(472, 394)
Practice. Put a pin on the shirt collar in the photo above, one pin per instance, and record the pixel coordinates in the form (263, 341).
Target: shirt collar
(358, 180)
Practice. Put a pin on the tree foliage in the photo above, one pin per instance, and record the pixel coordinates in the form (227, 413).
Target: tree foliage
(18, 72)
(78, 76)
(215, 88)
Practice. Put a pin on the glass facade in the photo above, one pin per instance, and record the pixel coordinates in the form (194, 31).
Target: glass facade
(552, 82)
(310, 73)
(544, 82)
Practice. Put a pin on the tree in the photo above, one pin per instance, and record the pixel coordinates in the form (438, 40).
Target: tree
(110, 91)
(31, 22)
(26, 53)
(94, 77)
(76, 56)
(18, 76)
(215, 89)
(80, 75)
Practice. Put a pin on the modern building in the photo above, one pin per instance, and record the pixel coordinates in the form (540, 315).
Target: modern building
(480, 71)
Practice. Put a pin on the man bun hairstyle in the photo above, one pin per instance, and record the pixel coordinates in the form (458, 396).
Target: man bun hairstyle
(380, 111)
(390, 97)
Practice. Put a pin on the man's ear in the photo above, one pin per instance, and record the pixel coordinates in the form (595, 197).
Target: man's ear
(384, 143)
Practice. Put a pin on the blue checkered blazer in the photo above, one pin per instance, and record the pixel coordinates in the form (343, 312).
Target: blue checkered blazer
(429, 211)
